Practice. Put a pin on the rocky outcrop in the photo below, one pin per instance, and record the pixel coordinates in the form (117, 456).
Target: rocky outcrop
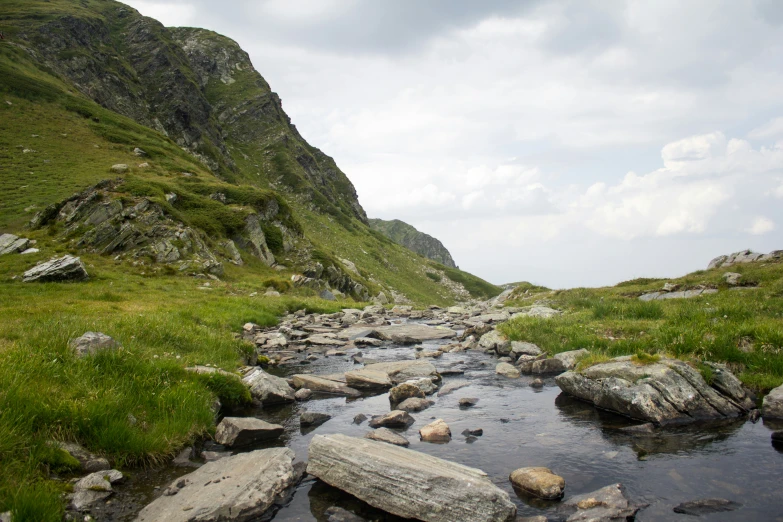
(238, 488)
(66, 268)
(419, 242)
(268, 388)
(407, 483)
(742, 257)
(10, 244)
(665, 392)
(682, 294)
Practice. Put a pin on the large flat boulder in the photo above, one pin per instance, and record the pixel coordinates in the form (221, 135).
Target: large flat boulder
(407, 483)
(239, 488)
(606, 504)
(368, 379)
(235, 432)
(401, 371)
(666, 392)
(66, 268)
(323, 385)
(412, 333)
(268, 388)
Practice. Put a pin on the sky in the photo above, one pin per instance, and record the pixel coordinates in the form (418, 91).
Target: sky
(566, 143)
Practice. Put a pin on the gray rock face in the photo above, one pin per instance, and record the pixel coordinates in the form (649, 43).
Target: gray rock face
(494, 340)
(91, 343)
(569, 359)
(522, 348)
(407, 236)
(732, 278)
(388, 436)
(238, 488)
(547, 366)
(10, 243)
(66, 268)
(543, 312)
(413, 333)
(407, 483)
(268, 388)
(666, 392)
(507, 370)
(772, 408)
(236, 432)
(607, 504)
(323, 385)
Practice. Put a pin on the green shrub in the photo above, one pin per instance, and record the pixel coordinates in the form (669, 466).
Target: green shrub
(435, 277)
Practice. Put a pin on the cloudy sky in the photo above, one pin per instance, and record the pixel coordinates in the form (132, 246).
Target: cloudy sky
(568, 143)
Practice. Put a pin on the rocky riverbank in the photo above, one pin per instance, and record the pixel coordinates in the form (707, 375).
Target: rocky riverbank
(409, 357)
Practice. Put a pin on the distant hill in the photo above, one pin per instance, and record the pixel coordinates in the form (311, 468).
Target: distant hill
(419, 242)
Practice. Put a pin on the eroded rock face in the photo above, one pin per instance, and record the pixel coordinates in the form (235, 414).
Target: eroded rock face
(666, 392)
(66, 268)
(407, 483)
(238, 488)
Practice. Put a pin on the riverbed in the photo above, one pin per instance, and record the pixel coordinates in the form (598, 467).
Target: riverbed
(523, 426)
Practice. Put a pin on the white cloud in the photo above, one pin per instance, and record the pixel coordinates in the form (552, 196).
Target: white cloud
(772, 129)
(761, 226)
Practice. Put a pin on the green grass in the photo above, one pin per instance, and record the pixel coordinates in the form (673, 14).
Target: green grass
(740, 327)
(163, 323)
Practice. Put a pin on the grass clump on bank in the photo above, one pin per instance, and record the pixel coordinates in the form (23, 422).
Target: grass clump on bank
(742, 327)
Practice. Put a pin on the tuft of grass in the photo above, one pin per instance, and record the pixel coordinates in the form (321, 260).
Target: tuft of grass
(645, 359)
(434, 276)
(591, 360)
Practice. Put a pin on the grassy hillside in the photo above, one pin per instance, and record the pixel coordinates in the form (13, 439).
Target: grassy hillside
(741, 326)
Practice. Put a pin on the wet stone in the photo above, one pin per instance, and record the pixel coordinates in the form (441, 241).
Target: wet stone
(312, 418)
(393, 419)
(467, 402)
(706, 506)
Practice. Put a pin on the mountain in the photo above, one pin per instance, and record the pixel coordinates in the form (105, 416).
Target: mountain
(165, 149)
(419, 242)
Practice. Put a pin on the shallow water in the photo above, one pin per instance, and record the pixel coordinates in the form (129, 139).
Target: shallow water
(527, 427)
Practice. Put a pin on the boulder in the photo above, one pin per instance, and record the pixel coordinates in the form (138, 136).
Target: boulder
(412, 333)
(732, 278)
(494, 340)
(66, 268)
(425, 384)
(388, 436)
(666, 392)
(414, 404)
(368, 379)
(772, 407)
(93, 488)
(547, 366)
(313, 418)
(119, 168)
(237, 488)
(323, 385)
(569, 359)
(452, 386)
(407, 483)
(91, 343)
(507, 370)
(268, 388)
(393, 419)
(684, 294)
(10, 243)
(542, 312)
(303, 394)
(539, 482)
(404, 391)
(401, 371)
(436, 431)
(522, 348)
(606, 504)
(467, 402)
(705, 506)
(236, 432)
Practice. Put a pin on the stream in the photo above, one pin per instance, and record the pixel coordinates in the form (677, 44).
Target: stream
(522, 427)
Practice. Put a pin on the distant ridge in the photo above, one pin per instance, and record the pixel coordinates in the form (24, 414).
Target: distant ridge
(419, 242)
